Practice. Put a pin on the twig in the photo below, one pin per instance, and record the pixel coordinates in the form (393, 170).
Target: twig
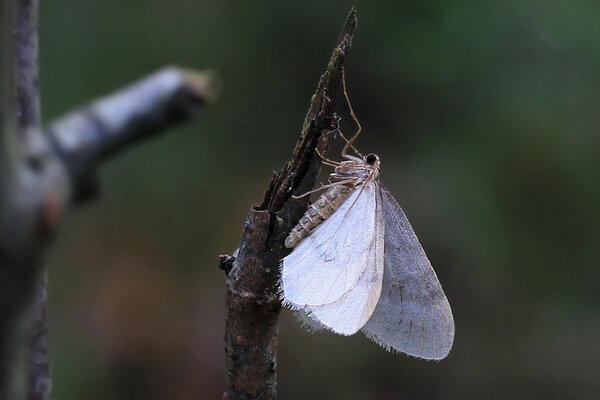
(252, 302)
(42, 173)
(39, 381)
(27, 88)
(19, 204)
(92, 133)
(28, 117)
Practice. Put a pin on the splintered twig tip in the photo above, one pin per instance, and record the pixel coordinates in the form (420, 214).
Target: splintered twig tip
(206, 84)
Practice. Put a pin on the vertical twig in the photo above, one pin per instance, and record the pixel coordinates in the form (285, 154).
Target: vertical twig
(252, 301)
(9, 159)
(28, 117)
(22, 231)
(39, 381)
(27, 89)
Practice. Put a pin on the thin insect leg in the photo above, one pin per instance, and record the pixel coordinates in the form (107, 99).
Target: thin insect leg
(335, 163)
(349, 143)
(344, 182)
(329, 164)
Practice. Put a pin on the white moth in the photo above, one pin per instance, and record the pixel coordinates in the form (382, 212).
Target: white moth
(358, 265)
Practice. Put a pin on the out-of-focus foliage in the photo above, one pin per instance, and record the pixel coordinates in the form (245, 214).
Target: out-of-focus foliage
(486, 116)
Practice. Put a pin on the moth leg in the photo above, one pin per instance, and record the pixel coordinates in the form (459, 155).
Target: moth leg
(326, 160)
(347, 141)
(353, 138)
(328, 164)
(344, 182)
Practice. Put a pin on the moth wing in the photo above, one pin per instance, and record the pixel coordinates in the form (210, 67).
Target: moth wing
(413, 315)
(350, 313)
(329, 262)
(308, 322)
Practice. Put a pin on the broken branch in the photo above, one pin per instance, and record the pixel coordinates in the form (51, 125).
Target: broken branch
(252, 301)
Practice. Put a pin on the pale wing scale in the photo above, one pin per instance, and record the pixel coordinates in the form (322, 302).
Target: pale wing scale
(328, 263)
(413, 315)
(350, 313)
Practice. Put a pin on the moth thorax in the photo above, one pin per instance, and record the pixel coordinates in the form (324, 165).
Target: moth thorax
(317, 212)
(361, 169)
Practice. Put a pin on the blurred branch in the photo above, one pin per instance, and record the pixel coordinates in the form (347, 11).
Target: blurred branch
(42, 171)
(39, 381)
(92, 133)
(24, 194)
(27, 88)
(252, 302)
(28, 117)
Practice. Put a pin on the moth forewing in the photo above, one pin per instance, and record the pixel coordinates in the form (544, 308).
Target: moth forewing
(349, 314)
(413, 315)
(329, 262)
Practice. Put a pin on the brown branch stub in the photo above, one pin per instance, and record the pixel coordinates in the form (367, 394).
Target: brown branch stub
(95, 132)
(226, 263)
(252, 301)
(252, 314)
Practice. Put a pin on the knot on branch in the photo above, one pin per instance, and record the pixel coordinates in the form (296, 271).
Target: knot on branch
(226, 263)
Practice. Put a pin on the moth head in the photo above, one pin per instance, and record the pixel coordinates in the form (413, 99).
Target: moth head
(372, 159)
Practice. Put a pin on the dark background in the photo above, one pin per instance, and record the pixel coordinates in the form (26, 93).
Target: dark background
(486, 116)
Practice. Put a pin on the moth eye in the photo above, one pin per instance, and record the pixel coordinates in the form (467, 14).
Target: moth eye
(371, 158)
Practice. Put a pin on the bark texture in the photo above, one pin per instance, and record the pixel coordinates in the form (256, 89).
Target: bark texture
(252, 300)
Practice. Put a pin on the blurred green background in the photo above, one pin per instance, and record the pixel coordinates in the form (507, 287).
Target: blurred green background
(486, 116)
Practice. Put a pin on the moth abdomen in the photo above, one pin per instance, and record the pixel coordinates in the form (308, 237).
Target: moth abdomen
(317, 212)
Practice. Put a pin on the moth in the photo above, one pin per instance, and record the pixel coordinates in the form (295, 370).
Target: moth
(357, 265)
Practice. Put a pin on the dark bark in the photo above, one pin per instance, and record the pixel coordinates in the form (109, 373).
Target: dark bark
(252, 300)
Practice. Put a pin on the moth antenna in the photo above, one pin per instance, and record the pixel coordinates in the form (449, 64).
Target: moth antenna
(363, 188)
